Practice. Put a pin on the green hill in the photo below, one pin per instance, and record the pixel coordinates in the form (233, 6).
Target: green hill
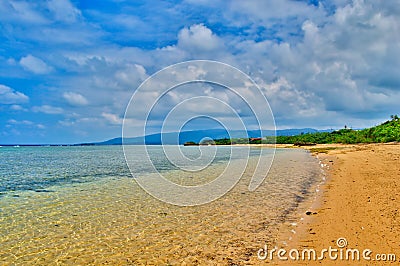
(388, 131)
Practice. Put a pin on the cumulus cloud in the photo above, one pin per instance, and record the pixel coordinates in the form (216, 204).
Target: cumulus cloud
(131, 75)
(343, 65)
(347, 52)
(198, 38)
(35, 65)
(48, 109)
(75, 99)
(10, 96)
(355, 55)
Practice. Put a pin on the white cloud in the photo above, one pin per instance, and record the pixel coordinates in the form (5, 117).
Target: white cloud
(342, 68)
(47, 109)
(129, 21)
(267, 11)
(198, 38)
(64, 10)
(12, 123)
(35, 65)
(17, 107)
(21, 11)
(352, 52)
(10, 96)
(112, 118)
(75, 99)
(22, 122)
(131, 75)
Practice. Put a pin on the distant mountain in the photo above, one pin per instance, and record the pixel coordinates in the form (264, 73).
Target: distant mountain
(181, 137)
(172, 138)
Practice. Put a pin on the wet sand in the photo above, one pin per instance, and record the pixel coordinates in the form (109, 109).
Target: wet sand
(360, 202)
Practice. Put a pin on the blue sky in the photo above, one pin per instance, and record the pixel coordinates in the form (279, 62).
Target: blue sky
(68, 68)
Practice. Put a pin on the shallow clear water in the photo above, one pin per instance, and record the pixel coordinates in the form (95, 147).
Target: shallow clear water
(81, 206)
(37, 168)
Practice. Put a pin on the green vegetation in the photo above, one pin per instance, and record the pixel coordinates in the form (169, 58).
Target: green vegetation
(389, 131)
(190, 143)
(224, 141)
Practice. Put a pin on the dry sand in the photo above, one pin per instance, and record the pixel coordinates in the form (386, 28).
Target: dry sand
(360, 202)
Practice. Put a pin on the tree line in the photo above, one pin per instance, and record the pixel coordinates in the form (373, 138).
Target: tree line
(388, 131)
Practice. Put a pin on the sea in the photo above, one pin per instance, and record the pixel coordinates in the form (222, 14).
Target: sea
(83, 205)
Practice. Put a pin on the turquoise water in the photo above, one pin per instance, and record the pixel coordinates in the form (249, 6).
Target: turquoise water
(38, 168)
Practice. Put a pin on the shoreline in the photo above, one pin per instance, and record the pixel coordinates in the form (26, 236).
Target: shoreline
(116, 222)
(358, 201)
(121, 222)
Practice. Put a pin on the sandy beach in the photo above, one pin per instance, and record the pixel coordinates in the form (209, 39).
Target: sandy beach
(359, 203)
(114, 222)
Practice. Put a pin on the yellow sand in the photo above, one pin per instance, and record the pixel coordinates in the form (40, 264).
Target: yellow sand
(360, 203)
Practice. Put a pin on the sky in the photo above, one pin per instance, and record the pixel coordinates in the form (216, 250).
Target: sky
(68, 68)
